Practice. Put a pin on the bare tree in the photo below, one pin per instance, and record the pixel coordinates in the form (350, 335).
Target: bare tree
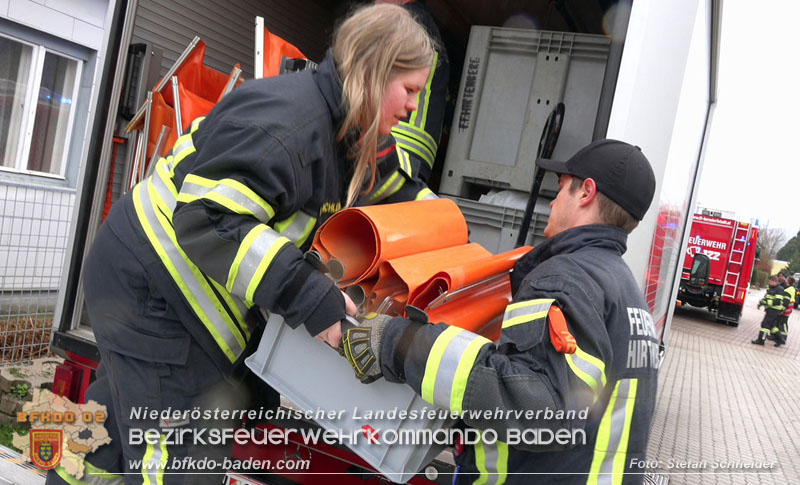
(771, 239)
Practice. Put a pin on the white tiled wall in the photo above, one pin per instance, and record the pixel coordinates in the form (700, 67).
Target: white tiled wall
(80, 21)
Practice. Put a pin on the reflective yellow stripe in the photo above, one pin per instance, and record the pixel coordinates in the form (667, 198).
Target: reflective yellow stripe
(421, 121)
(414, 146)
(465, 365)
(391, 186)
(589, 369)
(229, 193)
(418, 135)
(148, 474)
(154, 201)
(434, 358)
(91, 476)
(154, 463)
(196, 124)
(622, 451)
(426, 194)
(526, 311)
(492, 462)
(405, 162)
(480, 462)
(94, 471)
(297, 227)
(502, 462)
(163, 173)
(448, 367)
(143, 193)
(263, 266)
(237, 306)
(233, 334)
(252, 260)
(611, 445)
(162, 460)
(184, 146)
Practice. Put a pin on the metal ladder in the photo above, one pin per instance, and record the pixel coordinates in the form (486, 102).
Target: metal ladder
(733, 272)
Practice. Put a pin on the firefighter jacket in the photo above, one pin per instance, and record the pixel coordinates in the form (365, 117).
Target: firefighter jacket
(230, 211)
(792, 292)
(601, 397)
(418, 136)
(396, 179)
(775, 300)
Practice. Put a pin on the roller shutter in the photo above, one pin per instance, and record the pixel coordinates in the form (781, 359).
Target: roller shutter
(227, 28)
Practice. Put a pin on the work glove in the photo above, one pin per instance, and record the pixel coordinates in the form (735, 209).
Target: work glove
(361, 346)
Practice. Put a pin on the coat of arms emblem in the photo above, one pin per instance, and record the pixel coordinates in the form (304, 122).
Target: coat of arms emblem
(46, 447)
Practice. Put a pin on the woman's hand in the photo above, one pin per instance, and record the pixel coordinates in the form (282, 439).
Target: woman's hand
(333, 334)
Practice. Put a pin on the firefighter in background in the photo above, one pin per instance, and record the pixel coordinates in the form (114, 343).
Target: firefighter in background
(608, 365)
(405, 161)
(782, 280)
(179, 270)
(796, 291)
(774, 303)
(783, 320)
(782, 283)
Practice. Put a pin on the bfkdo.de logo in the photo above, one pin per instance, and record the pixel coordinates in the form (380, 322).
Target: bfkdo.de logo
(46, 447)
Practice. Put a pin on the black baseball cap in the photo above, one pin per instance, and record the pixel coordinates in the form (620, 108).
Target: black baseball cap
(620, 170)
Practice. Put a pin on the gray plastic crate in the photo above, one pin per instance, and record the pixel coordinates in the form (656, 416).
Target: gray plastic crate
(496, 227)
(314, 377)
(511, 81)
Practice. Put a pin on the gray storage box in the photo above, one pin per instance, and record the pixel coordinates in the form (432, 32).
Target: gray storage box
(511, 81)
(496, 227)
(315, 377)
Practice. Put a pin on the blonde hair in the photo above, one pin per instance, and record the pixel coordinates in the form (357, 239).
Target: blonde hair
(370, 46)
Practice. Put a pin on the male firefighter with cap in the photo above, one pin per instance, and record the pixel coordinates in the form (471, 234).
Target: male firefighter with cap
(774, 302)
(577, 337)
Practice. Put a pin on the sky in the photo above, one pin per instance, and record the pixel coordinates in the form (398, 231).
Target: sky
(751, 166)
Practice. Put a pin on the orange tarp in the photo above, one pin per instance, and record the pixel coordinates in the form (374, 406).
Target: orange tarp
(192, 106)
(161, 115)
(275, 49)
(203, 81)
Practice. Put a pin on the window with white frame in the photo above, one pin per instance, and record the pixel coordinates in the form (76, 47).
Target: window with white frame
(38, 88)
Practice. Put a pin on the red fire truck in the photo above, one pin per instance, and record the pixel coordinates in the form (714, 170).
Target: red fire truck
(717, 267)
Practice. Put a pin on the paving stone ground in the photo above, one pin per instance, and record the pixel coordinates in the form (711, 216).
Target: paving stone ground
(723, 400)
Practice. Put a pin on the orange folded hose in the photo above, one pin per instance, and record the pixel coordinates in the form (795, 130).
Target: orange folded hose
(361, 238)
(479, 309)
(402, 276)
(463, 274)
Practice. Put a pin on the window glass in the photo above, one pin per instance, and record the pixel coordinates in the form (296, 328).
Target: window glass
(15, 72)
(53, 114)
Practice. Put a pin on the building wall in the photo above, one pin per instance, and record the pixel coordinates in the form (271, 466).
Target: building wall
(78, 21)
(36, 210)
